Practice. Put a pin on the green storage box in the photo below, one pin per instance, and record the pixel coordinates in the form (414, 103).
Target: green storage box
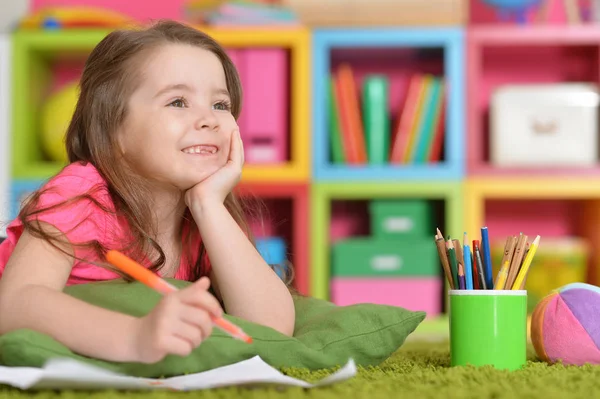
(372, 257)
(401, 218)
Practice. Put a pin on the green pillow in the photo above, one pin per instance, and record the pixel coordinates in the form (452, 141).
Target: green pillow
(325, 336)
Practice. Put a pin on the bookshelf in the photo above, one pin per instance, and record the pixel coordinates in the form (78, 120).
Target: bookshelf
(309, 189)
(395, 53)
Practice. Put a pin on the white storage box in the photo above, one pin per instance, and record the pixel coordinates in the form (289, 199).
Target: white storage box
(544, 125)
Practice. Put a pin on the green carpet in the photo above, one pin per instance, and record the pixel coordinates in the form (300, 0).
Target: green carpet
(417, 370)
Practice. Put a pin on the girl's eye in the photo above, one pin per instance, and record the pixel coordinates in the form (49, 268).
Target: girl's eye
(179, 103)
(222, 106)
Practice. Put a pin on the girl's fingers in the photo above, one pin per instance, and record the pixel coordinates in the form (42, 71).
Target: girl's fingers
(233, 147)
(178, 346)
(241, 147)
(190, 333)
(198, 319)
(201, 298)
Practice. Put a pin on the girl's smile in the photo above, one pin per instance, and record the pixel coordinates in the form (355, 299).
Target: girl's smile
(201, 149)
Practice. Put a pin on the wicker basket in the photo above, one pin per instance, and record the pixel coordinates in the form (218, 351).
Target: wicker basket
(352, 13)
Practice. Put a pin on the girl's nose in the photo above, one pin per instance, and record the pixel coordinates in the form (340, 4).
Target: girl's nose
(207, 120)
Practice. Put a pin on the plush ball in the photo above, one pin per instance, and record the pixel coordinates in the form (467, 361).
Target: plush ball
(57, 112)
(565, 325)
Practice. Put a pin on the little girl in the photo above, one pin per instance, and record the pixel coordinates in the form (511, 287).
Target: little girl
(154, 152)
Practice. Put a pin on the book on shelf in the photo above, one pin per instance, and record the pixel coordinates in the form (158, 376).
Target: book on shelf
(360, 131)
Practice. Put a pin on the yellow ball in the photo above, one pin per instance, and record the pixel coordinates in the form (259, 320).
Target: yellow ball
(57, 112)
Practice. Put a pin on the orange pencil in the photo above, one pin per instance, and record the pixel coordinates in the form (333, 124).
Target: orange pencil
(145, 276)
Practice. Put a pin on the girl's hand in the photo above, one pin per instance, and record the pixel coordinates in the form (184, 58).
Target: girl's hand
(178, 324)
(217, 186)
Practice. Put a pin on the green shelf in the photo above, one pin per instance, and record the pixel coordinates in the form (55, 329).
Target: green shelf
(451, 193)
(34, 54)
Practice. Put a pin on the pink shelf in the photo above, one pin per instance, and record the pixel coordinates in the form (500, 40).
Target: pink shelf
(511, 34)
(498, 55)
(550, 218)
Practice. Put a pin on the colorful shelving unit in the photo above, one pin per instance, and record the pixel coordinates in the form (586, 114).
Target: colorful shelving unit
(437, 51)
(306, 192)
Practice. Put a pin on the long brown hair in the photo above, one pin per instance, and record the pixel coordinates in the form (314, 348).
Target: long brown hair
(108, 79)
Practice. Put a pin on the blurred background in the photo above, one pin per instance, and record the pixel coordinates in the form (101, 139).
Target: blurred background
(367, 125)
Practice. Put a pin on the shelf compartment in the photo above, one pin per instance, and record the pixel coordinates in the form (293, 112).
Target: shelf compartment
(287, 207)
(36, 65)
(498, 56)
(340, 210)
(395, 53)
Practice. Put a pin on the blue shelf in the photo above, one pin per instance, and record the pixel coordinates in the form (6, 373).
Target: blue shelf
(387, 173)
(451, 41)
(18, 191)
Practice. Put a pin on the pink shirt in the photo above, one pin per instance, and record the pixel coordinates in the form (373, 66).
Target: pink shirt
(83, 221)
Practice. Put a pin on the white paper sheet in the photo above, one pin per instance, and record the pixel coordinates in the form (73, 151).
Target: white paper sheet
(71, 374)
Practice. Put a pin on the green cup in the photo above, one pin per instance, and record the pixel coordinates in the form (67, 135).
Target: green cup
(488, 327)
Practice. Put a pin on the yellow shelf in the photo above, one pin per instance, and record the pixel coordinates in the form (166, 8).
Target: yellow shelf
(246, 36)
(478, 190)
(291, 172)
(297, 40)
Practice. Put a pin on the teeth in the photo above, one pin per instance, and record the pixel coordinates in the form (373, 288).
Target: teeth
(200, 149)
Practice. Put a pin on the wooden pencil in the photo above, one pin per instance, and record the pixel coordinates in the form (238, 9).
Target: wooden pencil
(519, 283)
(459, 252)
(515, 263)
(509, 250)
(441, 247)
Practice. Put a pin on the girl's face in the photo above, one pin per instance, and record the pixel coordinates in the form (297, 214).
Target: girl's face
(178, 125)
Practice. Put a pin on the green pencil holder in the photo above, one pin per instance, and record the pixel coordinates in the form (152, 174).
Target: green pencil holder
(488, 327)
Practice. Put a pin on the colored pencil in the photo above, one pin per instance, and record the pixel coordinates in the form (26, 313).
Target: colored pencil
(461, 277)
(487, 257)
(441, 247)
(453, 260)
(502, 275)
(509, 249)
(439, 233)
(479, 264)
(459, 253)
(520, 280)
(145, 276)
(475, 275)
(467, 258)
